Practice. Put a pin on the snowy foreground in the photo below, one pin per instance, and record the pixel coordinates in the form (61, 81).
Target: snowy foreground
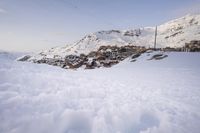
(132, 97)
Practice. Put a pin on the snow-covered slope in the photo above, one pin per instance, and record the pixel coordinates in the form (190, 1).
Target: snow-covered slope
(179, 31)
(174, 33)
(146, 96)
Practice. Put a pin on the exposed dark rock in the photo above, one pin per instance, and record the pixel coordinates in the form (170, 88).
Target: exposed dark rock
(105, 56)
(109, 32)
(135, 55)
(92, 64)
(169, 49)
(24, 58)
(134, 60)
(174, 34)
(74, 61)
(193, 46)
(133, 33)
(158, 57)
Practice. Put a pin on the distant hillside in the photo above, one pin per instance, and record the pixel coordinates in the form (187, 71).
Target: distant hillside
(173, 34)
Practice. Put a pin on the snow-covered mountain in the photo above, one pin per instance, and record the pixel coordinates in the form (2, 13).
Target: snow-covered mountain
(174, 33)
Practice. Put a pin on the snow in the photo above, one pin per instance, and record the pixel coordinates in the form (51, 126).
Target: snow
(157, 96)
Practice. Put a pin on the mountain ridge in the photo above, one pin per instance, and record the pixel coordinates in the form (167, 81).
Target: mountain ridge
(174, 34)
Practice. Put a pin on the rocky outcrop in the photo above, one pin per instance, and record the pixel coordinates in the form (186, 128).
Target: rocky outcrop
(24, 58)
(158, 56)
(193, 46)
(105, 56)
(132, 33)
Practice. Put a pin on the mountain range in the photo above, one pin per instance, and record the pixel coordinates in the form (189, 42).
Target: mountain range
(174, 34)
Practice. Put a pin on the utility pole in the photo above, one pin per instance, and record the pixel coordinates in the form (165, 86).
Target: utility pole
(155, 38)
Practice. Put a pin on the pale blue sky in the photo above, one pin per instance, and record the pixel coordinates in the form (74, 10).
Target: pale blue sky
(31, 25)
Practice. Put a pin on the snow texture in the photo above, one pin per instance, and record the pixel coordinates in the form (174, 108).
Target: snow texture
(145, 96)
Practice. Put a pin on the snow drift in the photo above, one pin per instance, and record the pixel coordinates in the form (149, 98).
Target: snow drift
(147, 96)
